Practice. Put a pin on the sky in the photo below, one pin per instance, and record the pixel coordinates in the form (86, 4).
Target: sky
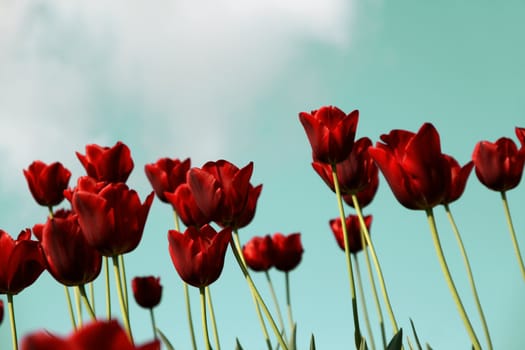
(226, 79)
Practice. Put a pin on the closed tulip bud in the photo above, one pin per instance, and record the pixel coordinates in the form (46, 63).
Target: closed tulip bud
(288, 251)
(47, 182)
(147, 291)
(108, 164)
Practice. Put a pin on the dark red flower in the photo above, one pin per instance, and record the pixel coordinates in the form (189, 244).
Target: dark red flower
(21, 262)
(47, 182)
(198, 254)
(499, 165)
(331, 133)
(38, 229)
(185, 206)
(365, 196)
(288, 251)
(147, 291)
(224, 192)
(85, 183)
(113, 219)
(100, 335)
(458, 179)
(258, 253)
(166, 175)
(109, 164)
(70, 259)
(414, 167)
(354, 232)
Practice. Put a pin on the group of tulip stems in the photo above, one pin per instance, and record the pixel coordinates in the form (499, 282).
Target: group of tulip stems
(359, 339)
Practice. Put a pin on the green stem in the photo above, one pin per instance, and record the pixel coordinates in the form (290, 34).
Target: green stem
(470, 275)
(204, 321)
(240, 261)
(512, 233)
(108, 290)
(186, 294)
(12, 319)
(363, 303)
(213, 321)
(85, 299)
(275, 301)
(116, 270)
(357, 330)
(124, 282)
(70, 308)
(450, 282)
(288, 301)
(377, 266)
(92, 295)
(78, 307)
(153, 323)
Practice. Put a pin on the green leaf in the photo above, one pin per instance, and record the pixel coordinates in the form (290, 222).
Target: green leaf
(428, 347)
(415, 335)
(237, 344)
(165, 340)
(312, 342)
(292, 344)
(362, 344)
(396, 343)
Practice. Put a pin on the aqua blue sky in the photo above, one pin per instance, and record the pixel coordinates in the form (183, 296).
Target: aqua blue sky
(209, 80)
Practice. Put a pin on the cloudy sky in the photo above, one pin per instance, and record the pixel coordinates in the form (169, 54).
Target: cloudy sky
(226, 79)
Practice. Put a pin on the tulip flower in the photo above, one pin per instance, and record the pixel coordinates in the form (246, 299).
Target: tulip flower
(147, 291)
(198, 254)
(458, 179)
(108, 164)
(258, 253)
(166, 175)
(288, 251)
(21, 262)
(84, 183)
(100, 335)
(224, 192)
(354, 232)
(70, 259)
(112, 220)
(499, 165)
(47, 182)
(366, 195)
(331, 133)
(414, 167)
(184, 204)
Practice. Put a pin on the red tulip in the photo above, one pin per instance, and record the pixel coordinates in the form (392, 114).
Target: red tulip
(365, 196)
(184, 204)
(224, 192)
(458, 179)
(166, 175)
(198, 254)
(84, 183)
(47, 182)
(520, 132)
(354, 232)
(414, 167)
(38, 229)
(288, 251)
(258, 253)
(499, 165)
(100, 335)
(21, 262)
(331, 133)
(70, 259)
(109, 164)
(112, 220)
(147, 291)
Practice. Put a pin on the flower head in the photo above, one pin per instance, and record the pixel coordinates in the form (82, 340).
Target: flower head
(354, 232)
(258, 253)
(458, 179)
(331, 133)
(147, 291)
(288, 251)
(108, 164)
(166, 175)
(184, 204)
(47, 182)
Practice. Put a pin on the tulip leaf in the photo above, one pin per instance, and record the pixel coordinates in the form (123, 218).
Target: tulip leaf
(396, 343)
(415, 335)
(292, 345)
(165, 340)
(312, 342)
(428, 347)
(362, 345)
(237, 344)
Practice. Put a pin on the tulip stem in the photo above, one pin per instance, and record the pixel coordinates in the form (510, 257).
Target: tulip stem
(186, 294)
(82, 290)
(213, 321)
(357, 330)
(12, 319)
(108, 290)
(92, 295)
(240, 261)
(204, 321)
(288, 300)
(275, 301)
(124, 282)
(116, 270)
(512, 233)
(379, 272)
(470, 275)
(78, 307)
(363, 302)
(450, 282)
(70, 308)
(153, 323)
